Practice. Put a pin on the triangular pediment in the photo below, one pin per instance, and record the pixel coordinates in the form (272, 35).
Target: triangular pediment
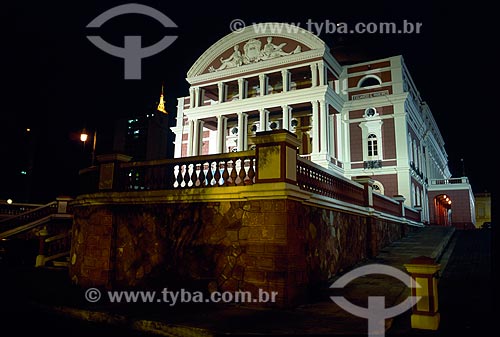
(251, 46)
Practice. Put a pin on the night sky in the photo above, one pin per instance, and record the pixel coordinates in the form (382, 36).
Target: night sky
(55, 82)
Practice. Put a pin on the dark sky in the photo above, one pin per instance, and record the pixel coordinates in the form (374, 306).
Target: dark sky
(56, 82)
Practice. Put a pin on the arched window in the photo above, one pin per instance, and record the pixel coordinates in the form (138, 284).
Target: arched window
(378, 187)
(372, 146)
(369, 81)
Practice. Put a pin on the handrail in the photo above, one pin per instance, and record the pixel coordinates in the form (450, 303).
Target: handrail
(10, 210)
(186, 160)
(52, 204)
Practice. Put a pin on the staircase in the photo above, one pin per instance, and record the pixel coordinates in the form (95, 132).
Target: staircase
(47, 226)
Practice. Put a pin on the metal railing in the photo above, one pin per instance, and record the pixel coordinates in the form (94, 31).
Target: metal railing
(10, 210)
(28, 217)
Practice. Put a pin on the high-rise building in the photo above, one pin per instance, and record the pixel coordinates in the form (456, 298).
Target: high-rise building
(144, 136)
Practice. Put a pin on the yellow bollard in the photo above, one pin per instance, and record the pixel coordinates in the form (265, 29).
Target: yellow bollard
(423, 270)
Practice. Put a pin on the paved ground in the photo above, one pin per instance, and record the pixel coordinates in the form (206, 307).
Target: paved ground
(467, 297)
(30, 299)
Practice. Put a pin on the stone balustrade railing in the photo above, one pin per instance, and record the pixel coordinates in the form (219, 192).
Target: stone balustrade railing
(228, 169)
(274, 159)
(313, 178)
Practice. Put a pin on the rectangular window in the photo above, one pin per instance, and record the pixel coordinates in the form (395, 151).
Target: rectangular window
(372, 148)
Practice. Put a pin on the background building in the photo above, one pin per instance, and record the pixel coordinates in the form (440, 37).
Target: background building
(144, 136)
(483, 208)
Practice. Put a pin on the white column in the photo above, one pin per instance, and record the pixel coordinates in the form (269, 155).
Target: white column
(200, 137)
(286, 116)
(339, 137)
(221, 87)
(315, 127)
(321, 72)
(196, 137)
(191, 97)
(196, 97)
(201, 97)
(190, 140)
(221, 133)
(314, 75)
(180, 112)
(242, 130)
(324, 129)
(242, 88)
(263, 119)
(402, 151)
(263, 84)
(332, 135)
(179, 128)
(245, 137)
(285, 75)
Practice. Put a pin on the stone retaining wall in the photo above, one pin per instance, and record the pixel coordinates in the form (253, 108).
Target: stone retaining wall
(279, 245)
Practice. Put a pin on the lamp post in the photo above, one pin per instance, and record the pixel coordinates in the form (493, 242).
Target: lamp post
(84, 136)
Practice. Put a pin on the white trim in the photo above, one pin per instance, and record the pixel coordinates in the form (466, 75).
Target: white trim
(380, 83)
(253, 103)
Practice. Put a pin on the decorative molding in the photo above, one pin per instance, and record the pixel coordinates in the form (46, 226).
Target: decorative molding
(300, 35)
(370, 95)
(215, 76)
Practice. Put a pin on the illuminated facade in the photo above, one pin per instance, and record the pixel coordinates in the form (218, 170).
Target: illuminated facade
(365, 119)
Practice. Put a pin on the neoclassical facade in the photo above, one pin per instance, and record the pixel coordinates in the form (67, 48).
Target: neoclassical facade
(365, 119)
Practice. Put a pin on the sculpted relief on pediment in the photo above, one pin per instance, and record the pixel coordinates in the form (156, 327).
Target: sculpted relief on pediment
(253, 52)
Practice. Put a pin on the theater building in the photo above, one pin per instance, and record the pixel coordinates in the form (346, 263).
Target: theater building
(365, 119)
(289, 168)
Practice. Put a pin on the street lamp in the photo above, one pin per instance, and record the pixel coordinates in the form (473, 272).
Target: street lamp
(84, 136)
